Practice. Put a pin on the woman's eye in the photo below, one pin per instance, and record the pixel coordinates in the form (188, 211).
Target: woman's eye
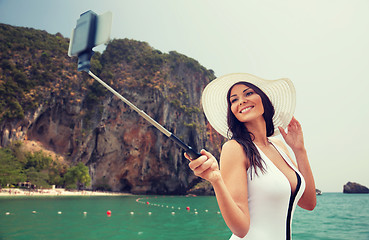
(233, 100)
(249, 94)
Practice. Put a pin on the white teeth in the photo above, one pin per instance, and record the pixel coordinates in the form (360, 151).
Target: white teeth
(245, 109)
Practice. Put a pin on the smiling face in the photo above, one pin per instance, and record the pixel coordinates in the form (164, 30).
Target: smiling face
(245, 103)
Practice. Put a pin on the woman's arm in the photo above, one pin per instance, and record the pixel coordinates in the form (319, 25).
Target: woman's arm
(308, 199)
(294, 138)
(229, 183)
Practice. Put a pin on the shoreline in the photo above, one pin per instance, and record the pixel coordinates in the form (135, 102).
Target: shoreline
(10, 192)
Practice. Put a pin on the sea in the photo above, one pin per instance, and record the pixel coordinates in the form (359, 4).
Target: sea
(336, 216)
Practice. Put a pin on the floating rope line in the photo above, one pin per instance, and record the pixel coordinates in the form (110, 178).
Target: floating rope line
(145, 201)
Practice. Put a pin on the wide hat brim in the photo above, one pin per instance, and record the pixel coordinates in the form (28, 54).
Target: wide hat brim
(281, 93)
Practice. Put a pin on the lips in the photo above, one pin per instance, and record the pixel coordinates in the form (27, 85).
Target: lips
(246, 109)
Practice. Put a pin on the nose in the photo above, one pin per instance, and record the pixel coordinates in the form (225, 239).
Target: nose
(243, 100)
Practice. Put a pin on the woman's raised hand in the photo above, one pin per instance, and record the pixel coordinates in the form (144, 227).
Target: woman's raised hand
(206, 166)
(294, 137)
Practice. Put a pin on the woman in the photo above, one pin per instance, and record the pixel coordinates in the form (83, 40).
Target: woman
(258, 185)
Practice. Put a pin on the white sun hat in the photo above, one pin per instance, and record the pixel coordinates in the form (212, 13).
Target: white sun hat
(281, 93)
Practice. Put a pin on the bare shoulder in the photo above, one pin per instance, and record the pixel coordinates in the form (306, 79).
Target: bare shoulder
(233, 152)
(231, 145)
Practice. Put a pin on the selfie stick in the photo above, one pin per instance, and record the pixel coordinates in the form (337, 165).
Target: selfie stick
(92, 30)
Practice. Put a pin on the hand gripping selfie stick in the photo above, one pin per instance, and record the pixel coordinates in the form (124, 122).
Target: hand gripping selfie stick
(92, 30)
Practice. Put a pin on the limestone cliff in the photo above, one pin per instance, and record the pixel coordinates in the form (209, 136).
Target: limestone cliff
(66, 112)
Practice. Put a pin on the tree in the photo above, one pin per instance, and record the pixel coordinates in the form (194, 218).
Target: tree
(11, 171)
(77, 177)
(38, 178)
(38, 160)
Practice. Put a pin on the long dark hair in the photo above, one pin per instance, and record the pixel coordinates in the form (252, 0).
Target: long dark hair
(240, 132)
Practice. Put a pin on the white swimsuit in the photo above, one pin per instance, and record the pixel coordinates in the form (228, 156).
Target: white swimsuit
(271, 201)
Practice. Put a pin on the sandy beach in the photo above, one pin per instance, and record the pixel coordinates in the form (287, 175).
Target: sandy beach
(56, 192)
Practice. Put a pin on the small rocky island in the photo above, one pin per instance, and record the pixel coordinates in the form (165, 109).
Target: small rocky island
(352, 187)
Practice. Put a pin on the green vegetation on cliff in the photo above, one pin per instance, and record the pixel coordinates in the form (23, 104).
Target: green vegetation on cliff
(28, 62)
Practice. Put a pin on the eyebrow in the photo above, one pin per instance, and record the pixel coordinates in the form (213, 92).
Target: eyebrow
(235, 95)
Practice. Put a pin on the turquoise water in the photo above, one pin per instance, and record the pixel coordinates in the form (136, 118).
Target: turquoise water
(337, 216)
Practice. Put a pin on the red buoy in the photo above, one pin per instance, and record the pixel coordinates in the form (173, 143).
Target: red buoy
(108, 213)
(147, 203)
(188, 208)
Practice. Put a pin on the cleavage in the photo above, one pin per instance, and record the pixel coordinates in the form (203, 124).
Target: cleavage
(280, 163)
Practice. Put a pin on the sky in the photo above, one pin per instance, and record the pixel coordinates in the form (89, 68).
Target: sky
(321, 45)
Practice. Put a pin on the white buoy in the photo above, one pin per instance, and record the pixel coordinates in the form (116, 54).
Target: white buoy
(132, 213)
(34, 212)
(149, 213)
(7, 213)
(218, 212)
(173, 213)
(59, 212)
(196, 213)
(84, 213)
(206, 210)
